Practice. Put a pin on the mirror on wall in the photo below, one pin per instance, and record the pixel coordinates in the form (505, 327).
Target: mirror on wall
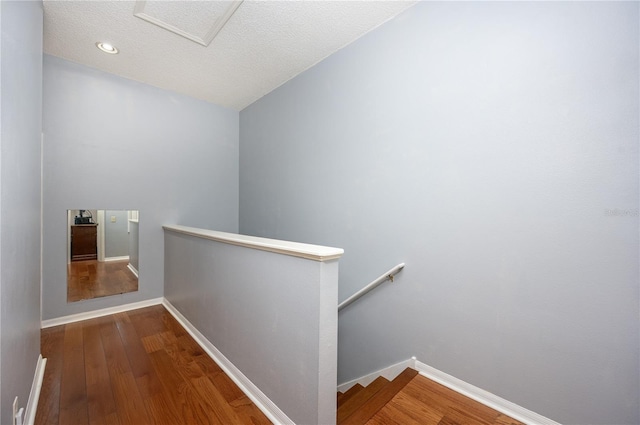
(102, 253)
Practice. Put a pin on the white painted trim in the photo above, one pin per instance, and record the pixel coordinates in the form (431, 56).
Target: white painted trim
(478, 394)
(263, 402)
(34, 394)
(122, 258)
(133, 269)
(389, 373)
(99, 313)
(295, 249)
(513, 410)
(139, 11)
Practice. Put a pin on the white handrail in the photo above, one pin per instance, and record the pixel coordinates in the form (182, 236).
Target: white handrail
(387, 276)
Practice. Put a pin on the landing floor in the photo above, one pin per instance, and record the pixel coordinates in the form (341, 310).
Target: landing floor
(137, 367)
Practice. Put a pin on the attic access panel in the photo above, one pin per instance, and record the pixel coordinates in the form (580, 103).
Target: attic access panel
(198, 21)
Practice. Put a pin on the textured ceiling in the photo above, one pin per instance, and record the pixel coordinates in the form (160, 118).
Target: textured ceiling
(261, 46)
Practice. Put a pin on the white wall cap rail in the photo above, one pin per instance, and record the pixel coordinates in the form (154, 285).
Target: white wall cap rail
(383, 278)
(295, 249)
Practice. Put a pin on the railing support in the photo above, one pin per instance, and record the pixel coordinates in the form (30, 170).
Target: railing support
(383, 278)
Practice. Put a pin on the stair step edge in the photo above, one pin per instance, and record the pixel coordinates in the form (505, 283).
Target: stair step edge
(349, 393)
(380, 399)
(355, 402)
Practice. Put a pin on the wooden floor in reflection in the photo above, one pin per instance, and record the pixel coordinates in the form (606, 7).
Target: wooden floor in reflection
(92, 279)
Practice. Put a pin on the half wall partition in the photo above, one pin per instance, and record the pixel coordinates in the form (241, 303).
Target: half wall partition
(267, 311)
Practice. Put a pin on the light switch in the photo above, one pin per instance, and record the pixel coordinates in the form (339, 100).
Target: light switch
(113, 218)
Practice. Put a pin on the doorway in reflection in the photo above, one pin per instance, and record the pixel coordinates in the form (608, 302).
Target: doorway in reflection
(102, 253)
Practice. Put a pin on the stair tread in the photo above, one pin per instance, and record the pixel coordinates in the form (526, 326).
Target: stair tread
(370, 407)
(341, 397)
(351, 392)
(354, 403)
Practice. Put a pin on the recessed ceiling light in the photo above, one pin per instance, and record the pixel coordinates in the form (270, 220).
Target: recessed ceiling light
(107, 48)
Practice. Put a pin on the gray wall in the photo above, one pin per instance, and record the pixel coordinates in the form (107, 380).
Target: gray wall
(20, 142)
(493, 147)
(112, 143)
(116, 235)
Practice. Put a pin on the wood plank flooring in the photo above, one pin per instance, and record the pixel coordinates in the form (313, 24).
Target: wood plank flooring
(377, 400)
(425, 402)
(138, 367)
(141, 367)
(92, 279)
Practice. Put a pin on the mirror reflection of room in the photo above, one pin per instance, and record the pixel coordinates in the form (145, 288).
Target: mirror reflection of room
(102, 253)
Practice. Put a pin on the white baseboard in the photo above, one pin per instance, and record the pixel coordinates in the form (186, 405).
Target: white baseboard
(34, 394)
(389, 373)
(485, 397)
(122, 258)
(133, 269)
(478, 394)
(99, 313)
(263, 402)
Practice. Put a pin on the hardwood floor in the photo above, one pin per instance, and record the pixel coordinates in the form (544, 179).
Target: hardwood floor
(91, 279)
(425, 402)
(141, 367)
(138, 367)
